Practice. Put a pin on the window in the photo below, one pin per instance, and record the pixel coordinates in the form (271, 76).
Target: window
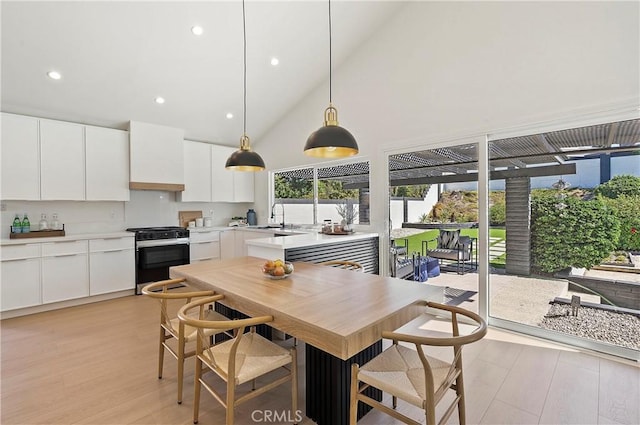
(312, 195)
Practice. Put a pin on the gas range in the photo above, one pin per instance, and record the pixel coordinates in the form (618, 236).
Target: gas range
(155, 233)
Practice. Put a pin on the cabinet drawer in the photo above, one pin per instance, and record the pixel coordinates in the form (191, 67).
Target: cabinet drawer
(20, 285)
(205, 250)
(64, 248)
(65, 277)
(111, 244)
(213, 235)
(14, 252)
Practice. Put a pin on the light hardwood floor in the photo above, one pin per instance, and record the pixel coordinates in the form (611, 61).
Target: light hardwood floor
(96, 364)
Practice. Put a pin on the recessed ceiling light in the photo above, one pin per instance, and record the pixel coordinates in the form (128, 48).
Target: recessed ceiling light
(229, 115)
(197, 30)
(274, 61)
(159, 100)
(54, 75)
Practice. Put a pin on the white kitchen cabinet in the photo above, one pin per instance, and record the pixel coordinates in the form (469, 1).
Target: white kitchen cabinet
(65, 271)
(243, 186)
(111, 265)
(204, 245)
(241, 248)
(62, 161)
(156, 156)
(20, 158)
(107, 164)
(222, 190)
(20, 285)
(228, 244)
(197, 172)
(229, 186)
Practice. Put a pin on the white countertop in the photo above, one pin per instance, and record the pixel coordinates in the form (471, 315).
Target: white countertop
(82, 236)
(307, 239)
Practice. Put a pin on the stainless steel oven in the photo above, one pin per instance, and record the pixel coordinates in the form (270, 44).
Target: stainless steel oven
(157, 249)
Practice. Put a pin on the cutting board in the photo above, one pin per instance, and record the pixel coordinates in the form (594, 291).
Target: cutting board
(186, 216)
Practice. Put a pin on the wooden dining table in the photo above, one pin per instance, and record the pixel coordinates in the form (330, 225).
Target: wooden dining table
(339, 314)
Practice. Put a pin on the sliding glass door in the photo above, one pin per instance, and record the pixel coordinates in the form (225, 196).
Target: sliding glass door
(553, 221)
(566, 268)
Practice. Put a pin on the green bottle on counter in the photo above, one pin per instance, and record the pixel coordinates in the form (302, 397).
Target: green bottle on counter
(26, 225)
(17, 225)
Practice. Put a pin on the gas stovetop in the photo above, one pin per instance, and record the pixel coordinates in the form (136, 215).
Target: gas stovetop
(165, 232)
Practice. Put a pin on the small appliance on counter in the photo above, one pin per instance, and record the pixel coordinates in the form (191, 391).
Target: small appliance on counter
(237, 222)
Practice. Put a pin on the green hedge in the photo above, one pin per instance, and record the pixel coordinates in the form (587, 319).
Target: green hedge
(580, 235)
(627, 211)
(624, 185)
(498, 214)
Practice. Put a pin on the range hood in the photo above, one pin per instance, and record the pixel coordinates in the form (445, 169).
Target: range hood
(156, 157)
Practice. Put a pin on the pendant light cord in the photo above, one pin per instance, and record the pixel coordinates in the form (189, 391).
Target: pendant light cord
(244, 65)
(330, 52)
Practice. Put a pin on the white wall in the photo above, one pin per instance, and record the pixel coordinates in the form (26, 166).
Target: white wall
(440, 71)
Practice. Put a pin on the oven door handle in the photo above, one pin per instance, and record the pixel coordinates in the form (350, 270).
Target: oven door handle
(162, 242)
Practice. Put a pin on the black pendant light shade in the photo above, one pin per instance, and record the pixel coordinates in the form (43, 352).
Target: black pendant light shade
(331, 140)
(244, 159)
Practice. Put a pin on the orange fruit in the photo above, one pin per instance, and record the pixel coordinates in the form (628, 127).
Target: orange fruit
(269, 265)
(278, 271)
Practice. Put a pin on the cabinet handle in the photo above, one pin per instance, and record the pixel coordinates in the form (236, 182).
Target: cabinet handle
(110, 250)
(66, 255)
(112, 239)
(15, 259)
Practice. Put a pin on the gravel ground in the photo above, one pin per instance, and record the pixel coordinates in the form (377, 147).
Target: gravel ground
(593, 323)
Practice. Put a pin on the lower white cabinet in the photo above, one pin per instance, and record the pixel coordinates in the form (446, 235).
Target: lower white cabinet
(204, 245)
(232, 242)
(111, 265)
(20, 285)
(65, 271)
(227, 244)
(48, 272)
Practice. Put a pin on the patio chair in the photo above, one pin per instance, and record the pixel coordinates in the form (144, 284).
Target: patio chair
(450, 245)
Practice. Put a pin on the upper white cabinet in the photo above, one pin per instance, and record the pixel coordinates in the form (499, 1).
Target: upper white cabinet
(20, 158)
(222, 178)
(55, 160)
(62, 161)
(156, 157)
(229, 186)
(207, 179)
(243, 185)
(197, 172)
(107, 164)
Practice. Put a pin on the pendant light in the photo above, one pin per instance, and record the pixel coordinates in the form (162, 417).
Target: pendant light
(244, 159)
(331, 140)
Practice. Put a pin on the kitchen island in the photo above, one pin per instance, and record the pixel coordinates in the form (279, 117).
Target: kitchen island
(339, 314)
(314, 247)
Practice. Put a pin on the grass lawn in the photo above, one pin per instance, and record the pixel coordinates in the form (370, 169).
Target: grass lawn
(415, 241)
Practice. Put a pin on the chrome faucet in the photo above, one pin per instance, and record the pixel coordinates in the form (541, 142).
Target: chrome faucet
(273, 214)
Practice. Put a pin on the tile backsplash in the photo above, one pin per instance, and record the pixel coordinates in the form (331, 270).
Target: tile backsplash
(145, 208)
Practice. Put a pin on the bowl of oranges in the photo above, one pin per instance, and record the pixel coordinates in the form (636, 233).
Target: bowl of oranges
(277, 269)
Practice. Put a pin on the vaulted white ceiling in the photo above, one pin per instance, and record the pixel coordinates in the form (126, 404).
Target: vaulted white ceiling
(117, 57)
